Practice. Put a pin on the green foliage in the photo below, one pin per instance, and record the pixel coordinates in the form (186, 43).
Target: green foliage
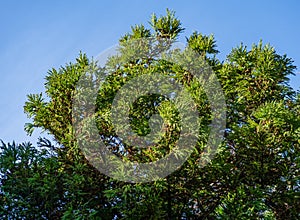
(202, 44)
(31, 186)
(166, 26)
(255, 174)
(137, 32)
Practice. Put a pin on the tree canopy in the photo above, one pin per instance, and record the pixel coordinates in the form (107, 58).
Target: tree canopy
(253, 175)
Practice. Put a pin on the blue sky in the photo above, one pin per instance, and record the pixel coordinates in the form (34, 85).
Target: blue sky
(38, 35)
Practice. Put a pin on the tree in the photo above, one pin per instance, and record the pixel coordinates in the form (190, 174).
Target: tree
(255, 173)
(31, 183)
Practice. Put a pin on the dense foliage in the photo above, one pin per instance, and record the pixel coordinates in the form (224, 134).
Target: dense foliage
(254, 175)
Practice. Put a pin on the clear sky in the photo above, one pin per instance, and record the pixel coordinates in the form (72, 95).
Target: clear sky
(38, 35)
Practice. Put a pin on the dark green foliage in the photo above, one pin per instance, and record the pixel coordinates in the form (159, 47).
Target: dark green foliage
(31, 182)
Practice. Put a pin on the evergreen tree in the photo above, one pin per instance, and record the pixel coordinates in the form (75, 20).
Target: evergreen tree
(254, 174)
